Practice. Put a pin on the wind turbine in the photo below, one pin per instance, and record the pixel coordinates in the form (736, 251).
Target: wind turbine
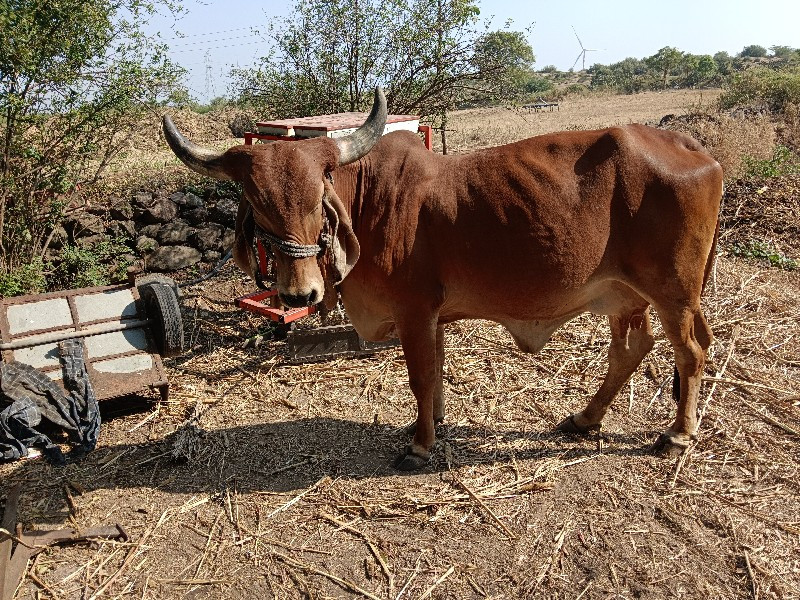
(582, 55)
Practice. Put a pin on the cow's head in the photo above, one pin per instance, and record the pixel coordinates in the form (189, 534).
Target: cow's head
(290, 203)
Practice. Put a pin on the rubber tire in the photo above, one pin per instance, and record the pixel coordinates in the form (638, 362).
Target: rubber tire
(143, 280)
(161, 306)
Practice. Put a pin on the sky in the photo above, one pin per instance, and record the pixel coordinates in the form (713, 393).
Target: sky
(215, 35)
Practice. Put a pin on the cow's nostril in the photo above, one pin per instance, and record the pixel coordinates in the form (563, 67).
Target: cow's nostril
(299, 300)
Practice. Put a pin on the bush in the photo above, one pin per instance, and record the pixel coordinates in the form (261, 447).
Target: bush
(789, 127)
(25, 279)
(730, 138)
(75, 79)
(103, 263)
(762, 86)
(754, 51)
(571, 91)
(782, 162)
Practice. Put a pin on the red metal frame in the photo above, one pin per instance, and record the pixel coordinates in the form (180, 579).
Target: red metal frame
(255, 303)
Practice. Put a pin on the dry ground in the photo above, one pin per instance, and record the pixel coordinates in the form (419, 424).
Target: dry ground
(289, 491)
(481, 127)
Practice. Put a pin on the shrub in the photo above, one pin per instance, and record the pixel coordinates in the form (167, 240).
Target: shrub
(789, 127)
(762, 86)
(26, 278)
(730, 138)
(75, 79)
(103, 263)
(782, 162)
(754, 51)
(764, 251)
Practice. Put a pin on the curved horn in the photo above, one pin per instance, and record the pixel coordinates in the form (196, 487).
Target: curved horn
(361, 141)
(203, 160)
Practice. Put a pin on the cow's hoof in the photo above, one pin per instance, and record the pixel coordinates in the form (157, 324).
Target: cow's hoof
(570, 425)
(670, 444)
(412, 460)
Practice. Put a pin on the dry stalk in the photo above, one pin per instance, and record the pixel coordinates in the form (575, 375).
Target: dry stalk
(262, 538)
(286, 468)
(299, 496)
(719, 374)
(770, 420)
(552, 559)
(751, 576)
(436, 583)
(751, 384)
(207, 546)
(488, 510)
(132, 553)
(375, 552)
(309, 569)
(35, 578)
(191, 581)
(747, 511)
(412, 577)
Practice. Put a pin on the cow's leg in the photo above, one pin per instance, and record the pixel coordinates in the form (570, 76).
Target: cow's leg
(438, 394)
(690, 336)
(631, 339)
(419, 341)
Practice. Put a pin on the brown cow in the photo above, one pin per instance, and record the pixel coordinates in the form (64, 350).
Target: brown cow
(529, 235)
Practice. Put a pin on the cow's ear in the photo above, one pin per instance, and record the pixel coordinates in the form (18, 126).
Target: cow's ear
(345, 249)
(243, 254)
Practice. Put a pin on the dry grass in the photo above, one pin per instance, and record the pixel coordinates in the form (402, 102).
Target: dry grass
(289, 490)
(484, 127)
(730, 138)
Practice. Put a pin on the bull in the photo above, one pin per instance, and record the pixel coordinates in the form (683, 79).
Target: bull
(529, 235)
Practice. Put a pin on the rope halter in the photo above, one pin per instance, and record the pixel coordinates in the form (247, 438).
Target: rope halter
(294, 250)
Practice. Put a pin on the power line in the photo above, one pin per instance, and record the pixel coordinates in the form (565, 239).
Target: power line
(212, 33)
(225, 39)
(215, 47)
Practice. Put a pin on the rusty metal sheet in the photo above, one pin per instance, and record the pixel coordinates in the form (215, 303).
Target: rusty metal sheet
(334, 341)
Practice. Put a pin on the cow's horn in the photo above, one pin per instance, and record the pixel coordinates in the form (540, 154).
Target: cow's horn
(361, 141)
(203, 160)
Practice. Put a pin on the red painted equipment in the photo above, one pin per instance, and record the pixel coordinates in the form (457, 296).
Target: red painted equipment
(255, 303)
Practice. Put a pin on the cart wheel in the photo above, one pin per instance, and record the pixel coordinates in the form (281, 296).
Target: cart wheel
(143, 280)
(161, 306)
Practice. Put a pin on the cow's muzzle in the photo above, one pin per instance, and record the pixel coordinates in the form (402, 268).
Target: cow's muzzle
(301, 299)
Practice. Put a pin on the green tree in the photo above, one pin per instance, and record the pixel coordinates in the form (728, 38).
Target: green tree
(629, 75)
(664, 61)
(698, 69)
(724, 62)
(74, 79)
(429, 55)
(705, 70)
(505, 60)
(782, 51)
(753, 51)
(775, 89)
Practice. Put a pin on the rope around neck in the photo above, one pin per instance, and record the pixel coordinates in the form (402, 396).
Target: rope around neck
(292, 249)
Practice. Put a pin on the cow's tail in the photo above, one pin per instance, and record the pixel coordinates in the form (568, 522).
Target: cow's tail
(712, 256)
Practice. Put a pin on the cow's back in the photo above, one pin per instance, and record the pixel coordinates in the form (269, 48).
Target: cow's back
(532, 226)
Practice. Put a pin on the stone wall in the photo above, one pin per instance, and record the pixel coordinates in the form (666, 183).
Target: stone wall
(167, 230)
